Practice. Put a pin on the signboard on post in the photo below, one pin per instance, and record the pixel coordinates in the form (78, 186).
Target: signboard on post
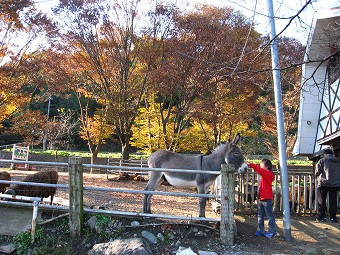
(20, 153)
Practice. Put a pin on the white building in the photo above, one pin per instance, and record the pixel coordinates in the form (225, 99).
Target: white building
(319, 116)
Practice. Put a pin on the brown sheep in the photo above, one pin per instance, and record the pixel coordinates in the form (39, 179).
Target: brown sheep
(4, 176)
(44, 176)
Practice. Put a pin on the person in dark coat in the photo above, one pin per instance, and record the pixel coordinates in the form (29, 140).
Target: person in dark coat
(328, 181)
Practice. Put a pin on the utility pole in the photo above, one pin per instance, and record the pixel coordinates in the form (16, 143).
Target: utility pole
(48, 116)
(280, 124)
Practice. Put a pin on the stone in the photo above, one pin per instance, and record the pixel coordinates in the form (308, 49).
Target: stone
(135, 224)
(92, 222)
(132, 246)
(149, 236)
(331, 251)
(185, 251)
(8, 248)
(241, 253)
(207, 253)
(200, 234)
(160, 237)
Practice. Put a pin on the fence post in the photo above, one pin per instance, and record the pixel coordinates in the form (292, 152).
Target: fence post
(34, 220)
(76, 209)
(227, 204)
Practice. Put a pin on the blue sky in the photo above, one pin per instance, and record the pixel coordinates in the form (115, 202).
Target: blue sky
(284, 9)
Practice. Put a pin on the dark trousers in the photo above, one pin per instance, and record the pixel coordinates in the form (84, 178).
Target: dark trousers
(333, 203)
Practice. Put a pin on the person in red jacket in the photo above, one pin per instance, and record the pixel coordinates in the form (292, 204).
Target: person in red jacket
(265, 195)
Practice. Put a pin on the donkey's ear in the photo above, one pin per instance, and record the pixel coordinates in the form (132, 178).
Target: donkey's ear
(236, 139)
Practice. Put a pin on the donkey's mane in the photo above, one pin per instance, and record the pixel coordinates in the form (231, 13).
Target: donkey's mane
(216, 149)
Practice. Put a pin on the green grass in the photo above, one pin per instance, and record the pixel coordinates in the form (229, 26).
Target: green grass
(87, 154)
(289, 162)
(251, 158)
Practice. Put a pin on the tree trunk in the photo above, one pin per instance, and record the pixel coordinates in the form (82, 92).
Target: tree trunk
(125, 142)
(56, 156)
(94, 149)
(125, 150)
(94, 157)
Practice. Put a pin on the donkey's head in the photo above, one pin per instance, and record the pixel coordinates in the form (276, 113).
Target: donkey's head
(234, 155)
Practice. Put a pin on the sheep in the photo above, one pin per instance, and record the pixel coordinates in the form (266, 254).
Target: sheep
(4, 176)
(44, 176)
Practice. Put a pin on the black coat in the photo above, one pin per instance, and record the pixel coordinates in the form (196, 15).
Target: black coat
(328, 171)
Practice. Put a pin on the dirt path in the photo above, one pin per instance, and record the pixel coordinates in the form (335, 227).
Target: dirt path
(307, 237)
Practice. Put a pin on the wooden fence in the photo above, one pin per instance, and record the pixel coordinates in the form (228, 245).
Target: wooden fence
(301, 198)
(76, 188)
(126, 163)
(302, 193)
(302, 190)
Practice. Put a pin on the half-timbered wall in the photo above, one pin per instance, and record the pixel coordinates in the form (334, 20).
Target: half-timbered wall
(319, 116)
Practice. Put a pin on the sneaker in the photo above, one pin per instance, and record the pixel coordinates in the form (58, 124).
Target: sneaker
(258, 233)
(321, 219)
(269, 235)
(333, 220)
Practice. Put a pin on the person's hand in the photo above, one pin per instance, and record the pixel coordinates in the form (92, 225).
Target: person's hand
(243, 168)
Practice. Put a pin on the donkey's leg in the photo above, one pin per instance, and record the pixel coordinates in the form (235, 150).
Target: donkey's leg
(153, 183)
(202, 189)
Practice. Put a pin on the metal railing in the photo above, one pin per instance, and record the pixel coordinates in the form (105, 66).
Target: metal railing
(76, 189)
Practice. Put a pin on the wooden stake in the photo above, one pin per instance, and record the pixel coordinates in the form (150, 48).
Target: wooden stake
(76, 206)
(227, 205)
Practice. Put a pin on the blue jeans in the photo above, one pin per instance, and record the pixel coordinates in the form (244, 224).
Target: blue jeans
(265, 208)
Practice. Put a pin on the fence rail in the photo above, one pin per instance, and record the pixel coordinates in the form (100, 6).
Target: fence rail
(302, 197)
(302, 191)
(76, 188)
(142, 163)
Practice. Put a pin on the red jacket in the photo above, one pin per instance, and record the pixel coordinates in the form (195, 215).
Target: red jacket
(267, 177)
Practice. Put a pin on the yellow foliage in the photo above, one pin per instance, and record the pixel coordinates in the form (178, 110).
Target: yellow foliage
(147, 134)
(96, 129)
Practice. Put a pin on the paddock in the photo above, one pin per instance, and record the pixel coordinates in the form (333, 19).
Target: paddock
(77, 197)
(169, 202)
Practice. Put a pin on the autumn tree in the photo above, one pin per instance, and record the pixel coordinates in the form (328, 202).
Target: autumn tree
(30, 125)
(61, 77)
(226, 107)
(18, 19)
(60, 129)
(291, 54)
(94, 126)
(198, 81)
(106, 50)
